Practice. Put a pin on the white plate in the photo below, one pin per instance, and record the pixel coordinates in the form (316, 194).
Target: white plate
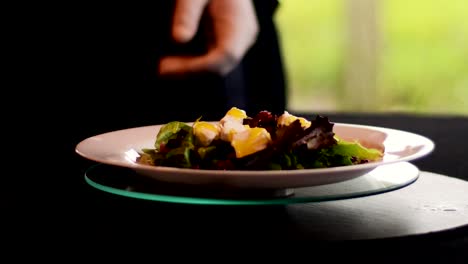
(120, 148)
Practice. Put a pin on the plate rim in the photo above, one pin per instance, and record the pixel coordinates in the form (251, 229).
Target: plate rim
(428, 148)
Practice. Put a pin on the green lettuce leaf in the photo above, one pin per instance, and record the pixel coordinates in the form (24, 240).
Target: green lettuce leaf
(355, 151)
(170, 131)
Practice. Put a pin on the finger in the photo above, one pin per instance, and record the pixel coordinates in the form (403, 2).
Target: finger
(178, 65)
(235, 26)
(213, 62)
(186, 19)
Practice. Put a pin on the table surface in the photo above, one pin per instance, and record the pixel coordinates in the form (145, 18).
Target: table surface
(68, 199)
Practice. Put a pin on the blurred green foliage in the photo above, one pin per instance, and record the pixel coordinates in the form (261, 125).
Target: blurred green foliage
(423, 54)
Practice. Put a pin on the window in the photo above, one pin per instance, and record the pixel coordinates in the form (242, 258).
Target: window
(370, 55)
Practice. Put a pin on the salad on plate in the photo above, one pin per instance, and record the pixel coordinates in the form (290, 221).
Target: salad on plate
(265, 141)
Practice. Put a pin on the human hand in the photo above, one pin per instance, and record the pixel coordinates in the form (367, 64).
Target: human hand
(234, 29)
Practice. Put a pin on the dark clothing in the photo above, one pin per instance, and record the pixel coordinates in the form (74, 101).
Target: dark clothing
(116, 81)
(104, 78)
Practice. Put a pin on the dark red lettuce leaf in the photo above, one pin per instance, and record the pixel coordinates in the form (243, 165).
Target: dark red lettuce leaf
(293, 141)
(319, 135)
(263, 119)
(282, 142)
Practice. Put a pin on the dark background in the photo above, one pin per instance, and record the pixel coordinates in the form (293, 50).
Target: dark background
(81, 83)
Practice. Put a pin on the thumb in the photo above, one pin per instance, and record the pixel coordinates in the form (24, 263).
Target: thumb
(186, 19)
